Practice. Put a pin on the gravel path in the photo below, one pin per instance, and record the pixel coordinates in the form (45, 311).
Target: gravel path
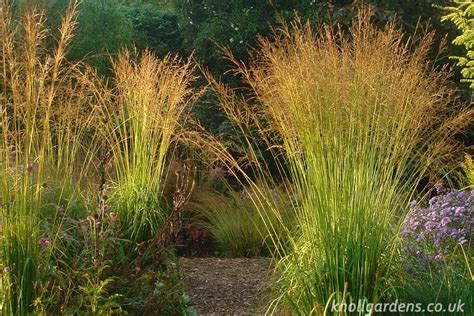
(218, 286)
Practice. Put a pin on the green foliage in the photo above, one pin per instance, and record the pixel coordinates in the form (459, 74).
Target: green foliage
(212, 23)
(155, 291)
(77, 278)
(450, 282)
(92, 271)
(236, 23)
(462, 15)
(154, 28)
(93, 295)
(102, 29)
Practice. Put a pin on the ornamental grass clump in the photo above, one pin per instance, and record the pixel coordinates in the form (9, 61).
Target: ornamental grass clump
(43, 120)
(356, 120)
(238, 228)
(144, 115)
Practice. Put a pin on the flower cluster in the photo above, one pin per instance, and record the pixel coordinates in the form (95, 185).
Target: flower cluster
(217, 174)
(432, 232)
(43, 242)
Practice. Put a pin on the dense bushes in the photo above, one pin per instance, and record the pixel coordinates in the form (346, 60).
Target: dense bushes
(154, 28)
(102, 29)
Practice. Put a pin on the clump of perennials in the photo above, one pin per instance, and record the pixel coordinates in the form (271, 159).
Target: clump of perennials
(431, 234)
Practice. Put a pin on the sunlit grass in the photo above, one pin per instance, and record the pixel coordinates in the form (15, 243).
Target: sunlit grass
(237, 226)
(42, 125)
(359, 120)
(144, 113)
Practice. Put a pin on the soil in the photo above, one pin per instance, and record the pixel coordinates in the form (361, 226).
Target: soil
(219, 286)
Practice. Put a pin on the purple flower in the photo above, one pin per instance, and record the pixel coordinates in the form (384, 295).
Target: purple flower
(430, 226)
(445, 221)
(7, 269)
(30, 168)
(43, 242)
(431, 233)
(217, 173)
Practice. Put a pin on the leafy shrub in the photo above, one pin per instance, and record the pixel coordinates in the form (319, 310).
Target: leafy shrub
(155, 291)
(194, 239)
(154, 28)
(92, 271)
(102, 29)
(78, 278)
(462, 14)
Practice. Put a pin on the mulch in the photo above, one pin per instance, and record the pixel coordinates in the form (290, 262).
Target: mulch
(221, 286)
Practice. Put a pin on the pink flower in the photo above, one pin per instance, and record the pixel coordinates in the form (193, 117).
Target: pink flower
(7, 269)
(43, 242)
(113, 216)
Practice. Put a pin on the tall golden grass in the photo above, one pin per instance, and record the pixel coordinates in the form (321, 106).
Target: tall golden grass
(43, 122)
(359, 118)
(144, 111)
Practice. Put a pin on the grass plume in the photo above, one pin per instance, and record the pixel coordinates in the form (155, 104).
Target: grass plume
(359, 119)
(144, 114)
(42, 128)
